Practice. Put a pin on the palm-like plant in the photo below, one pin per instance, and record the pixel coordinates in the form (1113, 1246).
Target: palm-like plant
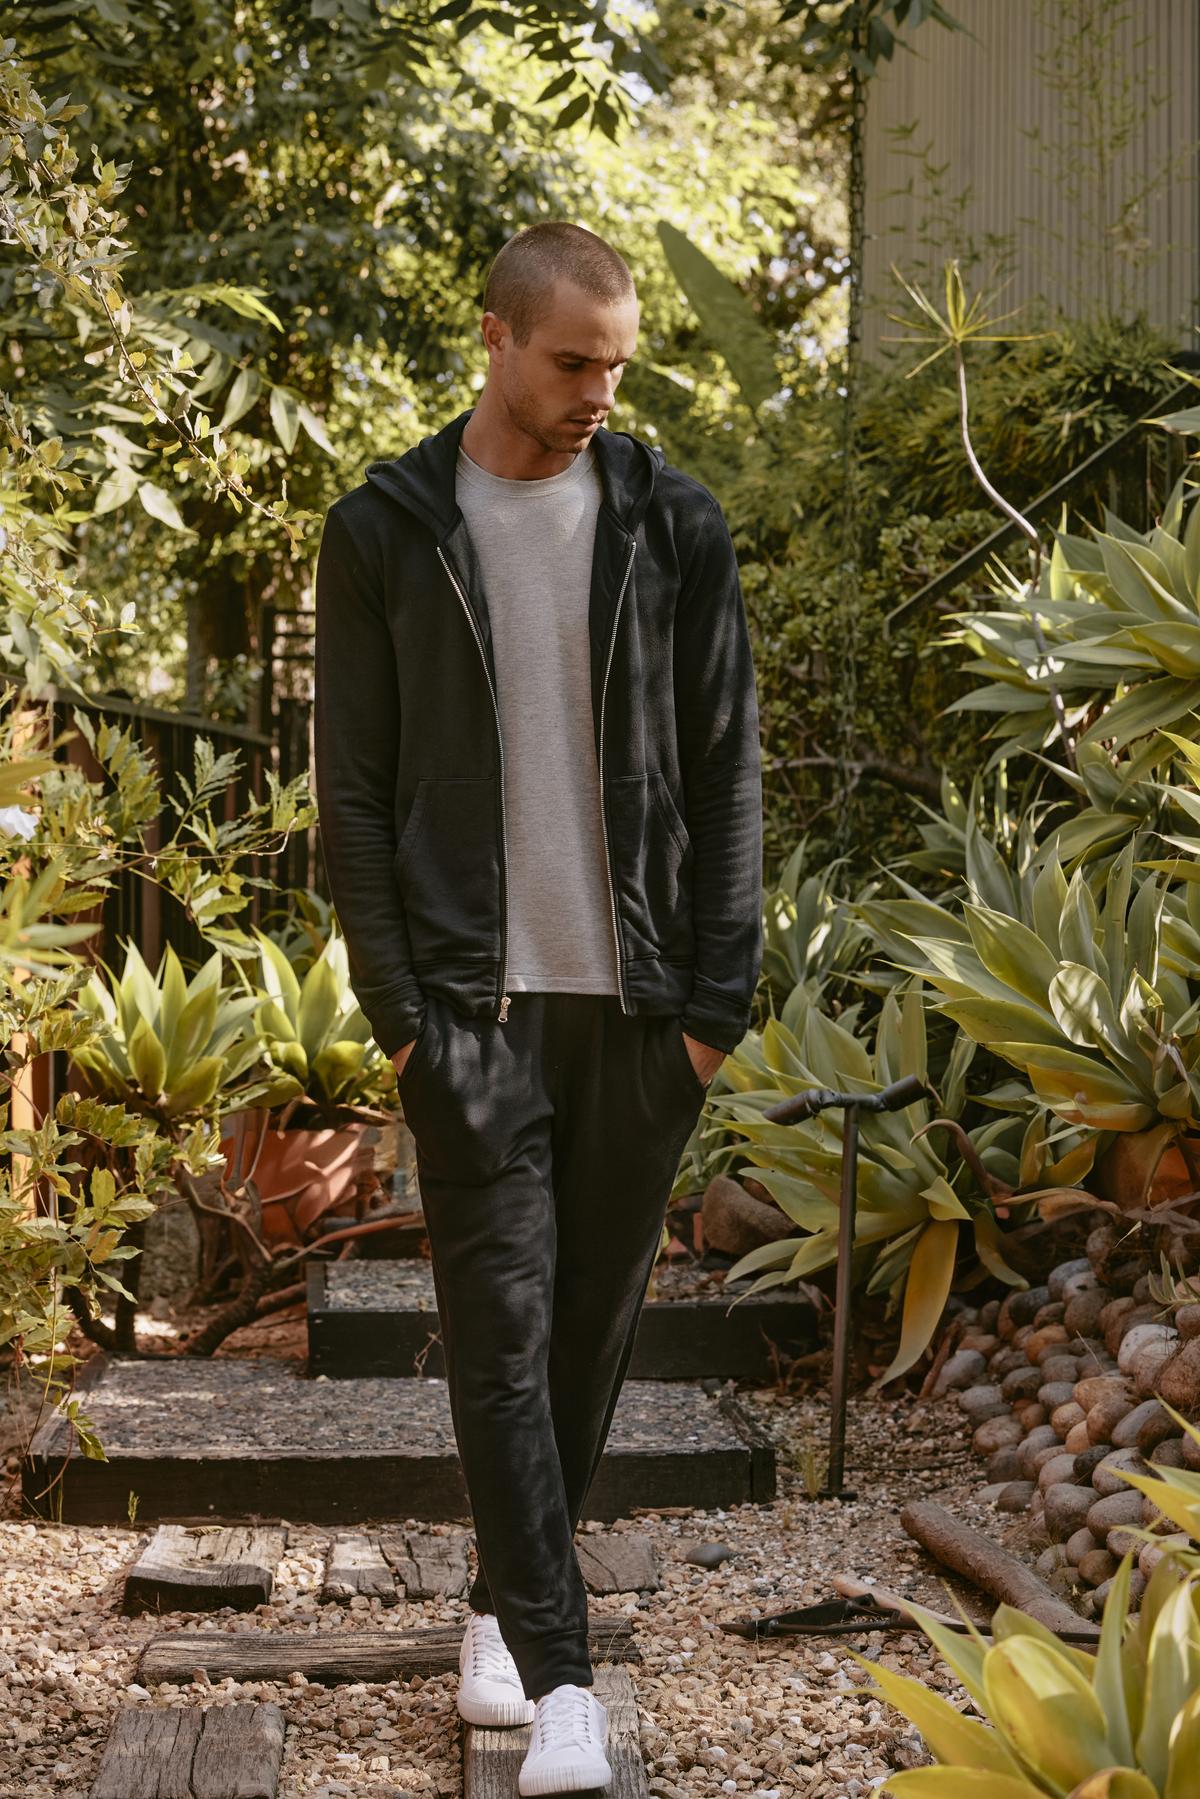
(168, 1046)
(1120, 621)
(315, 1034)
(912, 1204)
(1121, 1724)
(1086, 998)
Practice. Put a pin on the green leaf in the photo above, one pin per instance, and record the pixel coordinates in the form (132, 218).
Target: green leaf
(285, 416)
(147, 1059)
(925, 1293)
(948, 1734)
(242, 395)
(1047, 1711)
(315, 429)
(195, 1090)
(728, 320)
(161, 506)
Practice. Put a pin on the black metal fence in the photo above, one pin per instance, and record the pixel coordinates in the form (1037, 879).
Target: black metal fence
(136, 906)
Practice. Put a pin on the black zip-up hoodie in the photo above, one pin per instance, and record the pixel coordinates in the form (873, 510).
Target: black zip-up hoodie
(408, 759)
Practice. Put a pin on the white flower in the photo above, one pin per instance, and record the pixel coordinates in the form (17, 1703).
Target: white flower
(15, 821)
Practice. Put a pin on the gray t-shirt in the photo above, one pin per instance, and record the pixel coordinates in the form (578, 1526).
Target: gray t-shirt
(534, 543)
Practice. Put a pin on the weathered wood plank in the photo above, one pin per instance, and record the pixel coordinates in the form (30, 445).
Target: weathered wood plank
(204, 1567)
(618, 1562)
(212, 1752)
(492, 1758)
(337, 1658)
(431, 1567)
(356, 1565)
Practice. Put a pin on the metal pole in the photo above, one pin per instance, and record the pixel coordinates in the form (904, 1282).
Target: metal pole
(835, 1487)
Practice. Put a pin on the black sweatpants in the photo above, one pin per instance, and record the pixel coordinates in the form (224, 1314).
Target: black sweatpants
(546, 1148)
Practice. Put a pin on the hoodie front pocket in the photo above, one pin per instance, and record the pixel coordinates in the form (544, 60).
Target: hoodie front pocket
(448, 869)
(652, 868)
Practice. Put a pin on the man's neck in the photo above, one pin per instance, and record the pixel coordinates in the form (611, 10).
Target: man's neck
(497, 446)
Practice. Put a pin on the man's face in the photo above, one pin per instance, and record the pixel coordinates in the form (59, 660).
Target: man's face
(560, 386)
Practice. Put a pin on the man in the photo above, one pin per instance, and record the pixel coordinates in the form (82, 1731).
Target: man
(538, 773)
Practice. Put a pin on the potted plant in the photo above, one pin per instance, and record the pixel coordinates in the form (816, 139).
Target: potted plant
(323, 1127)
(172, 1050)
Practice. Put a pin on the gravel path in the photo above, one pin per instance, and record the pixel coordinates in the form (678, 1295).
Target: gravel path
(719, 1714)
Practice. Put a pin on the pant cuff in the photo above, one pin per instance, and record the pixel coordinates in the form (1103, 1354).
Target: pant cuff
(548, 1662)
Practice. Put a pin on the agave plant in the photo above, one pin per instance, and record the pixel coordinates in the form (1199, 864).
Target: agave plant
(1120, 617)
(808, 934)
(913, 1205)
(167, 1046)
(1085, 999)
(315, 1034)
(1121, 1724)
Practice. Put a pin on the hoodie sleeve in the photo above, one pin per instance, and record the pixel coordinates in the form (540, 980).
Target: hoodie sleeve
(716, 711)
(356, 744)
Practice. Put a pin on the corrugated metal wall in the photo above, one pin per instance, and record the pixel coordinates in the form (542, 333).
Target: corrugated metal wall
(1016, 164)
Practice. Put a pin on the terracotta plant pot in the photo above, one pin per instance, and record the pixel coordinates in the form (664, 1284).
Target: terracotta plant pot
(1148, 1168)
(301, 1175)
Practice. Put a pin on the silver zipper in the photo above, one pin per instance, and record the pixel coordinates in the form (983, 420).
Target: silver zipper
(504, 998)
(612, 896)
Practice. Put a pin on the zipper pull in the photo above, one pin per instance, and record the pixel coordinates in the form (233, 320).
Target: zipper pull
(504, 1004)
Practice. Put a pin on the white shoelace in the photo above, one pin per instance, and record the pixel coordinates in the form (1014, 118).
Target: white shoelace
(563, 1718)
(490, 1658)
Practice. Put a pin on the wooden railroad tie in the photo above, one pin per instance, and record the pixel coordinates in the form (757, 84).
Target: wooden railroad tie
(201, 1568)
(337, 1658)
(202, 1752)
(492, 1758)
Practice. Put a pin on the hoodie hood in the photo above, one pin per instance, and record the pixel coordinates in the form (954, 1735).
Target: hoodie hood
(423, 478)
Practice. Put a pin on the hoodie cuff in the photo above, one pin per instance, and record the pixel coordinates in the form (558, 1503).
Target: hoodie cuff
(715, 1019)
(396, 1017)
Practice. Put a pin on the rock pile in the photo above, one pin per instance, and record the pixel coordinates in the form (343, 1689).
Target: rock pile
(1062, 1384)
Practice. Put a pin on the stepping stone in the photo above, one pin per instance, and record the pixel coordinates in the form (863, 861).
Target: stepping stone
(379, 1317)
(338, 1657)
(204, 1568)
(391, 1565)
(198, 1440)
(492, 1758)
(206, 1752)
(618, 1562)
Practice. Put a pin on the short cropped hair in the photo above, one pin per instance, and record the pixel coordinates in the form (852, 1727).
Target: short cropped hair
(524, 271)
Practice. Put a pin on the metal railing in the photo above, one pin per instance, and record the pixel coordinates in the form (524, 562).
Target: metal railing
(135, 905)
(1130, 471)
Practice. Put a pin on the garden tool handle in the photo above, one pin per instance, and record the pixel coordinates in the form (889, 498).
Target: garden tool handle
(893, 1098)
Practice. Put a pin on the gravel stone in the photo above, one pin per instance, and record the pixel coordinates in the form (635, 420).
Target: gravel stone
(1067, 1507)
(1003, 1465)
(1015, 1496)
(1055, 1470)
(1106, 1475)
(1179, 1379)
(1147, 1335)
(1118, 1508)
(1057, 1280)
(960, 1370)
(1044, 1437)
(1097, 1566)
(1083, 1311)
(1103, 1419)
(1079, 1544)
(981, 1403)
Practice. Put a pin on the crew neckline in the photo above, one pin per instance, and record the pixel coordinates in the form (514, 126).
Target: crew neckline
(477, 476)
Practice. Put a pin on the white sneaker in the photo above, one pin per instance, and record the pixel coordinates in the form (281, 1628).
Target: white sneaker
(490, 1690)
(566, 1750)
